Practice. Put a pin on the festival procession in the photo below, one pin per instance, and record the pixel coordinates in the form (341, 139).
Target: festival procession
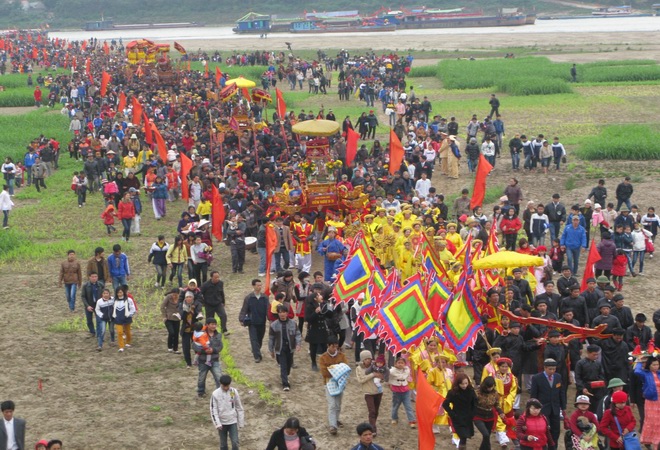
(325, 249)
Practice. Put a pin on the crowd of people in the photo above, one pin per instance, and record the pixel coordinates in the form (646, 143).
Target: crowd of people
(248, 167)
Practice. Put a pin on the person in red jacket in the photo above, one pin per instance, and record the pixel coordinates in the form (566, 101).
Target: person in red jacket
(126, 213)
(37, 97)
(510, 226)
(533, 428)
(623, 414)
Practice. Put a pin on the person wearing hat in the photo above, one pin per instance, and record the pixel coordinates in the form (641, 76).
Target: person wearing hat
(577, 430)
(557, 351)
(332, 250)
(547, 388)
(614, 385)
(514, 347)
(614, 356)
(551, 299)
(575, 302)
(371, 381)
(590, 377)
(605, 317)
(618, 421)
(621, 312)
(507, 386)
(591, 297)
(638, 333)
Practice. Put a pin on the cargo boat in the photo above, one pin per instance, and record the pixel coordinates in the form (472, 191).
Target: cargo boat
(108, 24)
(453, 18)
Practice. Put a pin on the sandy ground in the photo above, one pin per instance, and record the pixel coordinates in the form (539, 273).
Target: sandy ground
(145, 398)
(569, 42)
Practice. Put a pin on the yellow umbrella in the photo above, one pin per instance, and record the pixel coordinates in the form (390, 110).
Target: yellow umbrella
(507, 259)
(316, 127)
(242, 82)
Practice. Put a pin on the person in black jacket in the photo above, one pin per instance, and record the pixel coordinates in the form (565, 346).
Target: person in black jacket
(213, 299)
(290, 429)
(90, 292)
(623, 193)
(621, 312)
(638, 333)
(556, 212)
(565, 281)
(318, 312)
(614, 354)
(254, 316)
(460, 405)
(526, 295)
(577, 304)
(599, 193)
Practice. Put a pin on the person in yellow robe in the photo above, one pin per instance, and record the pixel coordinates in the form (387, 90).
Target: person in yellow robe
(407, 218)
(383, 245)
(507, 386)
(446, 257)
(453, 236)
(455, 273)
(405, 261)
(368, 228)
(401, 238)
(441, 378)
(381, 216)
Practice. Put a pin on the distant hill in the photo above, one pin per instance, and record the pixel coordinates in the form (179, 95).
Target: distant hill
(73, 13)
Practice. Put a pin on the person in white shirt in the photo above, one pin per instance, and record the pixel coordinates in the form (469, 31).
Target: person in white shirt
(12, 433)
(227, 413)
(488, 150)
(5, 205)
(422, 186)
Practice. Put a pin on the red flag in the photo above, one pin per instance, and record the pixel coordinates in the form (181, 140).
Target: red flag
(396, 152)
(122, 102)
(147, 131)
(217, 213)
(137, 111)
(246, 94)
(218, 76)
(426, 412)
(35, 53)
(2, 44)
(162, 147)
(105, 79)
(106, 48)
(206, 70)
(281, 105)
(593, 258)
(74, 63)
(186, 165)
(45, 53)
(84, 45)
(271, 243)
(91, 79)
(233, 124)
(179, 48)
(351, 145)
(479, 189)
(88, 66)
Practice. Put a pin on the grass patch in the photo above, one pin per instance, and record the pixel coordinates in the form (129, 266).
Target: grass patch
(614, 73)
(465, 74)
(423, 71)
(534, 86)
(570, 183)
(23, 96)
(229, 367)
(631, 141)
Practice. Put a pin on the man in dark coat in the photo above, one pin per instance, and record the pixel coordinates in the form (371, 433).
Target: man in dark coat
(565, 281)
(558, 351)
(621, 312)
(556, 212)
(18, 425)
(551, 298)
(615, 356)
(576, 302)
(605, 317)
(639, 333)
(254, 315)
(213, 292)
(546, 388)
(590, 377)
(527, 297)
(591, 297)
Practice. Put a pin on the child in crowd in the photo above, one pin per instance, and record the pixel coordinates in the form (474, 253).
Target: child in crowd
(619, 267)
(74, 182)
(556, 256)
(108, 217)
(399, 379)
(379, 367)
(201, 338)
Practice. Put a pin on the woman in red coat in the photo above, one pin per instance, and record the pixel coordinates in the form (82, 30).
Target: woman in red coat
(510, 226)
(126, 213)
(622, 412)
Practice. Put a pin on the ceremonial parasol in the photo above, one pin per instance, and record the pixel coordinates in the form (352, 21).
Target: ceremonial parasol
(316, 127)
(228, 92)
(261, 96)
(507, 259)
(242, 82)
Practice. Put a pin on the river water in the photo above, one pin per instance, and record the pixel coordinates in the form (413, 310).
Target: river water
(595, 25)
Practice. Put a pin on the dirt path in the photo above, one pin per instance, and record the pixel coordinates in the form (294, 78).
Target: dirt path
(15, 110)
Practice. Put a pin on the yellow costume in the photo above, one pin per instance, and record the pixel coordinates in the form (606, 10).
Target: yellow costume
(405, 263)
(455, 239)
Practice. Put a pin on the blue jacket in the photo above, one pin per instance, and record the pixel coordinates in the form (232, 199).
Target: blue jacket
(574, 237)
(29, 159)
(583, 224)
(118, 266)
(161, 191)
(648, 384)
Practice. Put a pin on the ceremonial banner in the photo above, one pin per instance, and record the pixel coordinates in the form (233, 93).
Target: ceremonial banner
(122, 102)
(426, 411)
(186, 165)
(461, 321)
(396, 153)
(280, 104)
(479, 189)
(218, 76)
(592, 259)
(271, 246)
(105, 80)
(162, 147)
(405, 320)
(179, 48)
(355, 274)
(351, 145)
(437, 294)
(137, 111)
(217, 213)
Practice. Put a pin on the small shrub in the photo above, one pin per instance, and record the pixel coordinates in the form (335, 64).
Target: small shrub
(621, 73)
(569, 185)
